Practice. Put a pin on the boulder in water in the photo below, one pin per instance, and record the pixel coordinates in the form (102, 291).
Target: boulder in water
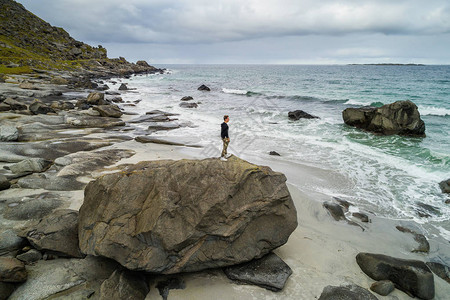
(204, 88)
(401, 117)
(445, 186)
(300, 114)
(188, 215)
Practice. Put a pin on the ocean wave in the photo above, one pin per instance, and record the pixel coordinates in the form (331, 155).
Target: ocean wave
(356, 102)
(235, 91)
(433, 111)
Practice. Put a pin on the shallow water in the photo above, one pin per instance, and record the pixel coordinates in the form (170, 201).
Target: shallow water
(390, 175)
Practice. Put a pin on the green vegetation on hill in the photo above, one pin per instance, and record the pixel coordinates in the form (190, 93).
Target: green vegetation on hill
(28, 42)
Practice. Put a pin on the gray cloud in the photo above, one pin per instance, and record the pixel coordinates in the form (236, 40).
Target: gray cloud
(196, 21)
(252, 31)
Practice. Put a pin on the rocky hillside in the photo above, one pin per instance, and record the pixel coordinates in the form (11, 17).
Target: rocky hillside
(28, 42)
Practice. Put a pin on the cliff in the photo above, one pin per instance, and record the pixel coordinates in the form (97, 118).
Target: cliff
(28, 42)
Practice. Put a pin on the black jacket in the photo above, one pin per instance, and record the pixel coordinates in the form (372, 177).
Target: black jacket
(224, 131)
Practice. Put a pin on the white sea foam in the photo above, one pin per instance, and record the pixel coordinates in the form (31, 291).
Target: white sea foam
(234, 91)
(356, 102)
(434, 111)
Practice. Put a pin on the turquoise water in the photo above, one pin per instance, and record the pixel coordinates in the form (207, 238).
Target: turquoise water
(391, 175)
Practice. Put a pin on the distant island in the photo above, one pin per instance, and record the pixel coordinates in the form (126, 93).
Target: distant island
(386, 64)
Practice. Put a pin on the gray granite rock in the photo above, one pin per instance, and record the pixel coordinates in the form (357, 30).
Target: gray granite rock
(4, 183)
(10, 241)
(440, 270)
(31, 165)
(6, 289)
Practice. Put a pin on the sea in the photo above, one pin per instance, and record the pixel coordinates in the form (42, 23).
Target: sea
(394, 177)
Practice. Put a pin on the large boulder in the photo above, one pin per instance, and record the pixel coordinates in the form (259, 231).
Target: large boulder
(401, 117)
(57, 232)
(188, 215)
(410, 276)
(300, 114)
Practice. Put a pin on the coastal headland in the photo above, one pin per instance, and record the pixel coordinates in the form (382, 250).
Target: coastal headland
(92, 206)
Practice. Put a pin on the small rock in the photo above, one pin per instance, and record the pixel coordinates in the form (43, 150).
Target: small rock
(188, 105)
(9, 133)
(124, 285)
(171, 284)
(57, 232)
(163, 126)
(204, 88)
(363, 217)
(440, 270)
(117, 100)
(96, 98)
(383, 287)
(4, 183)
(15, 105)
(10, 241)
(30, 257)
(186, 98)
(348, 292)
(269, 272)
(27, 86)
(59, 80)
(12, 270)
(37, 107)
(410, 276)
(445, 186)
(4, 107)
(274, 153)
(335, 210)
(300, 114)
(112, 111)
(31, 165)
(123, 87)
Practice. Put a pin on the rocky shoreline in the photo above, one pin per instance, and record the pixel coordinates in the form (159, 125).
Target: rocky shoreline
(59, 133)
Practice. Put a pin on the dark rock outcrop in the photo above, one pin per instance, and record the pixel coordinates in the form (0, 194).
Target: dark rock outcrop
(123, 284)
(445, 186)
(165, 286)
(300, 114)
(58, 233)
(347, 292)
(204, 88)
(186, 98)
(363, 217)
(269, 272)
(96, 98)
(189, 105)
(30, 256)
(410, 276)
(177, 219)
(274, 153)
(6, 289)
(123, 87)
(14, 104)
(12, 270)
(335, 210)
(10, 242)
(401, 117)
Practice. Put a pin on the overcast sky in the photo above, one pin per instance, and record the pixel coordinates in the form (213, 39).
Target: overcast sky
(258, 31)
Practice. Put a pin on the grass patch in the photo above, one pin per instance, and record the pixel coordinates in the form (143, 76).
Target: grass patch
(15, 71)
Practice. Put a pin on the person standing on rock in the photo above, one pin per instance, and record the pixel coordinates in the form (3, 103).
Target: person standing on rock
(225, 138)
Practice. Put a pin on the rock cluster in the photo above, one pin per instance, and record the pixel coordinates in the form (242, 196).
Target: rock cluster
(210, 225)
(401, 117)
